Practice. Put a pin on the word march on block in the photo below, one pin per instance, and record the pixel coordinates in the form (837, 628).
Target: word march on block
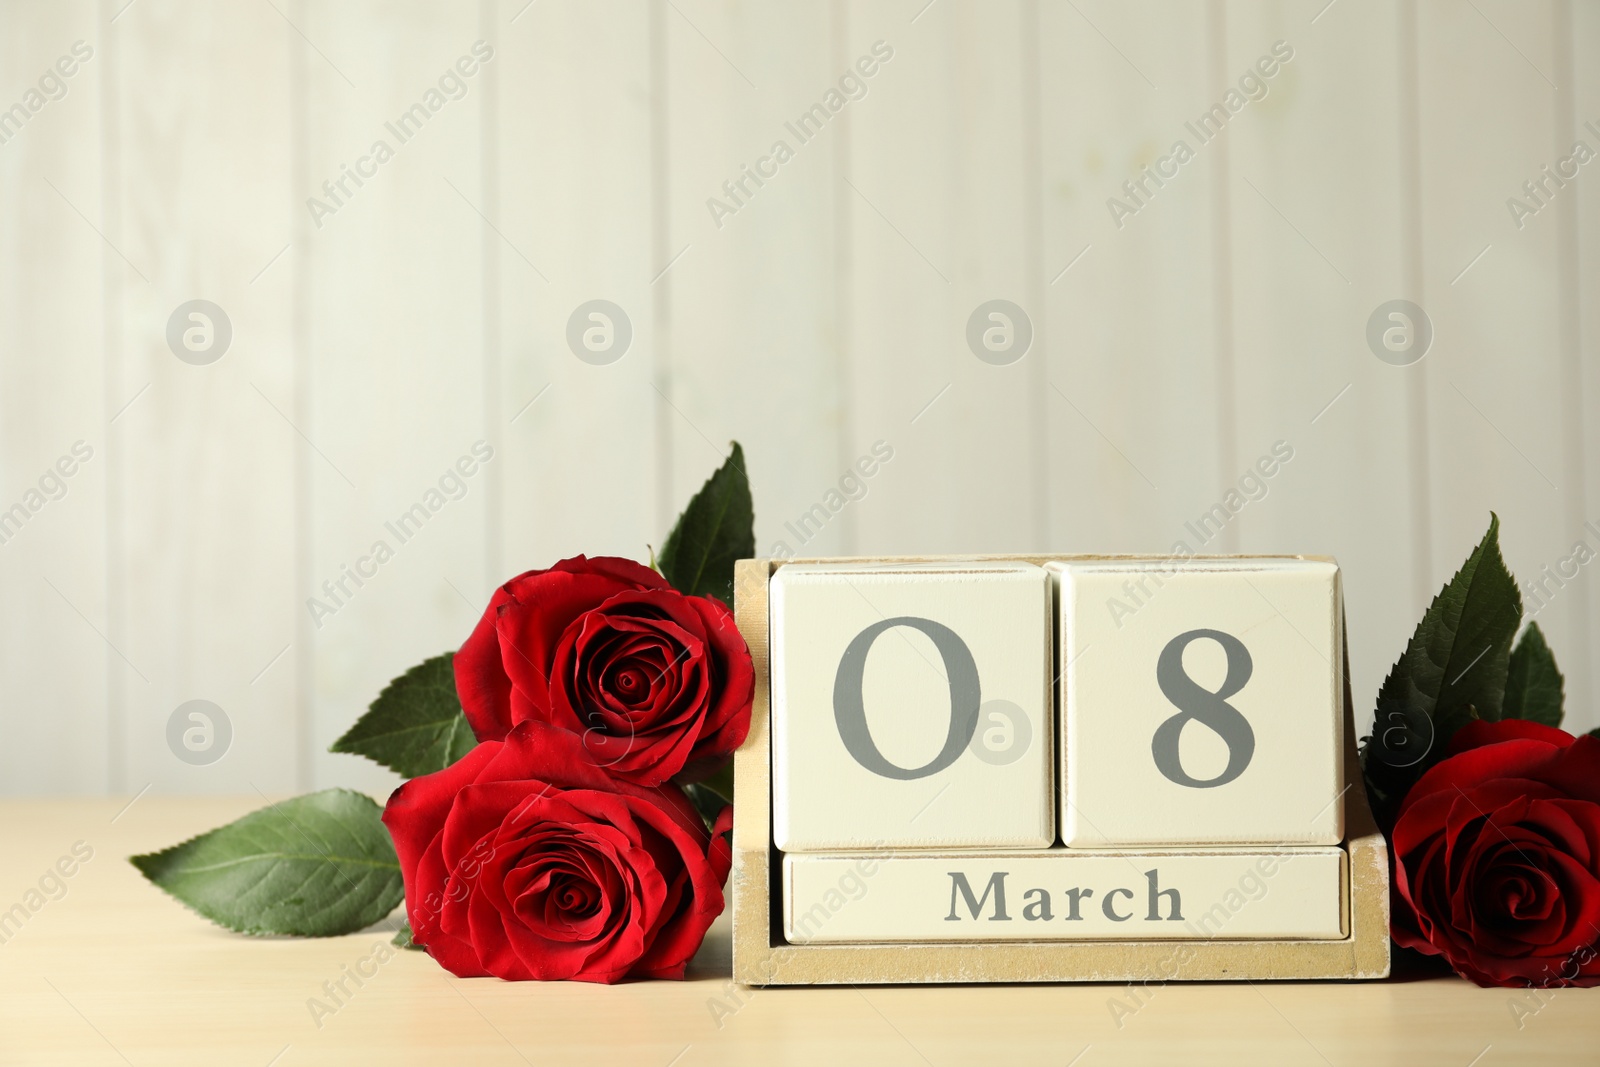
(1084, 749)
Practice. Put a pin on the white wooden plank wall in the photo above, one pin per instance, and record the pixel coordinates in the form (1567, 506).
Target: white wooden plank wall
(812, 316)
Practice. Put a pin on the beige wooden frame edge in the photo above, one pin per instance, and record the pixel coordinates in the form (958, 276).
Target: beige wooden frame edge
(762, 958)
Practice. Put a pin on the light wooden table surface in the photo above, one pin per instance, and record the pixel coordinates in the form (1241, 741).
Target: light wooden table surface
(115, 972)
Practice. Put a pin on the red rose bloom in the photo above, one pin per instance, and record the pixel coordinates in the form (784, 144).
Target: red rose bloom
(1497, 852)
(654, 681)
(525, 860)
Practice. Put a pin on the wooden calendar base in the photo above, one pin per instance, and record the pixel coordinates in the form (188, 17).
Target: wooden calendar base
(762, 957)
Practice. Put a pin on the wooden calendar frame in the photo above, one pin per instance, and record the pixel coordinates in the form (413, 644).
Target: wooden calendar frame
(762, 957)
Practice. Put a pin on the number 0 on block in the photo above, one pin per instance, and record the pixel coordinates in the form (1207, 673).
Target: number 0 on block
(911, 707)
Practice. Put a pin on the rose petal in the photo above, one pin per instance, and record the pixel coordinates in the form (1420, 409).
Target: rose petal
(527, 860)
(482, 684)
(1520, 758)
(1479, 732)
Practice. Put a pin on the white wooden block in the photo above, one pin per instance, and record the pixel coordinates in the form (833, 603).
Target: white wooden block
(1065, 895)
(911, 706)
(1202, 702)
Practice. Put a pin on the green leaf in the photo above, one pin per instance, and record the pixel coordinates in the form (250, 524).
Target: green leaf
(714, 531)
(416, 726)
(1453, 670)
(1459, 654)
(402, 939)
(315, 866)
(721, 783)
(1533, 684)
(708, 802)
(1595, 733)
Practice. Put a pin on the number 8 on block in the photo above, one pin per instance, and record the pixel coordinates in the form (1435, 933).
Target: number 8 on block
(1202, 702)
(911, 706)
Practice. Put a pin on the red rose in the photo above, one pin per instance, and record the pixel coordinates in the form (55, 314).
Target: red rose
(525, 860)
(653, 680)
(1497, 853)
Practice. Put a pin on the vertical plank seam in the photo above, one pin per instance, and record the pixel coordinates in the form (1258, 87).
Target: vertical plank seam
(1222, 269)
(1033, 273)
(301, 264)
(844, 276)
(111, 362)
(489, 175)
(660, 253)
(1412, 281)
(1569, 333)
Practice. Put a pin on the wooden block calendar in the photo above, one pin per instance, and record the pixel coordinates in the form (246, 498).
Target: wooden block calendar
(1062, 768)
